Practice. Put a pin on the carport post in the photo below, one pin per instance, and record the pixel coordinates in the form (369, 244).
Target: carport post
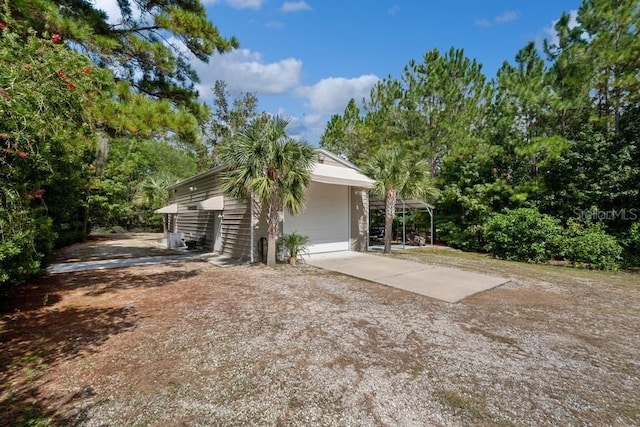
(432, 212)
(404, 227)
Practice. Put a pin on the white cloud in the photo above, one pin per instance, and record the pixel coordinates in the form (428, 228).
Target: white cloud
(331, 95)
(274, 25)
(245, 71)
(308, 127)
(503, 18)
(179, 46)
(393, 10)
(313, 119)
(111, 8)
(239, 4)
(245, 4)
(115, 17)
(294, 6)
(507, 16)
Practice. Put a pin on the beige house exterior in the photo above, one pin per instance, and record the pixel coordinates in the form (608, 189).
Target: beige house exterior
(336, 215)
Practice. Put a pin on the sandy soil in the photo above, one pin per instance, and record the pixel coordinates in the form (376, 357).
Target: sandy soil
(113, 246)
(194, 344)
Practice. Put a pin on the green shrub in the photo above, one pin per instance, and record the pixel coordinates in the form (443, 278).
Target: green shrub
(17, 258)
(524, 234)
(294, 244)
(27, 244)
(50, 104)
(116, 229)
(44, 239)
(592, 246)
(469, 238)
(631, 244)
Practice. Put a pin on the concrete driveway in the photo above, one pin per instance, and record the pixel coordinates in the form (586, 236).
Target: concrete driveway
(101, 252)
(443, 283)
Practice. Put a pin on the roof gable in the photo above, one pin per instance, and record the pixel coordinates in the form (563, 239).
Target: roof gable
(320, 152)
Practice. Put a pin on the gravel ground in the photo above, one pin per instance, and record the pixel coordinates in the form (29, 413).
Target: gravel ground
(193, 344)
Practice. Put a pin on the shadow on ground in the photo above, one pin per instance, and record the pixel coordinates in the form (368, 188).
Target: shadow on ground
(39, 330)
(47, 291)
(33, 341)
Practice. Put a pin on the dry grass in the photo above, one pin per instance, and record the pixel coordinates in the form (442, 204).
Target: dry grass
(484, 263)
(192, 344)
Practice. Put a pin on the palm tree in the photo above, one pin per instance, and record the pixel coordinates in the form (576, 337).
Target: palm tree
(152, 193)
(269, 167)
(152, 190)
(397, 174)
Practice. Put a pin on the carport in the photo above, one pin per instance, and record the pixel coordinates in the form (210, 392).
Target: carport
(378, 203)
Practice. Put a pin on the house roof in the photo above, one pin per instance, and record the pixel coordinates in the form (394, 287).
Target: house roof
(322, 152)
(349, 175)
(200, 175)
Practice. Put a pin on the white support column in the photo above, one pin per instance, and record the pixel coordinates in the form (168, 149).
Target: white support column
(431, 230)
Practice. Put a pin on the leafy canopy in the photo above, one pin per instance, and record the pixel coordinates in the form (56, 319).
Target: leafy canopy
(150, 44)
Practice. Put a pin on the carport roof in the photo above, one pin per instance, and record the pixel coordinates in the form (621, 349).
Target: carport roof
(378, 203)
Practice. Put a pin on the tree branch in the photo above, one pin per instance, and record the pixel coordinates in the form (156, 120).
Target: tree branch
(137, 29)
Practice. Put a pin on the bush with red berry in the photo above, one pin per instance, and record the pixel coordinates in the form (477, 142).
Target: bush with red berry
(50, 100)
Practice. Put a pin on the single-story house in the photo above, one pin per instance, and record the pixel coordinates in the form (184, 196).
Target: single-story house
(336, 216)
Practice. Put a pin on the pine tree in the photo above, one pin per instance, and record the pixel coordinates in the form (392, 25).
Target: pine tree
(611, 28)
(150, 44)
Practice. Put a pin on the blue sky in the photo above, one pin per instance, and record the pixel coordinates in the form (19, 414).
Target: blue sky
(306, 58)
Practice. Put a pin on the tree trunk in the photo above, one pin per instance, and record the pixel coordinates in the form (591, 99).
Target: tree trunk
(273, 221)
(85, 225)
(389, 214)
(271, 249)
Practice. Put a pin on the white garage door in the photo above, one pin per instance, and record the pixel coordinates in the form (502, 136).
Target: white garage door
(325, 219)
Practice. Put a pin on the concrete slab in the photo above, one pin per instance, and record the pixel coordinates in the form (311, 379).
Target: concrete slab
(71, 267)
(443, 283)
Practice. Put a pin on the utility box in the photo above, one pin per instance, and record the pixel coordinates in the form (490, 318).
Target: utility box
(175, 240)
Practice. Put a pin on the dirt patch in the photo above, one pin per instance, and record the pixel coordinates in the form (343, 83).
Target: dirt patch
(113, 246)
(193, 344)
